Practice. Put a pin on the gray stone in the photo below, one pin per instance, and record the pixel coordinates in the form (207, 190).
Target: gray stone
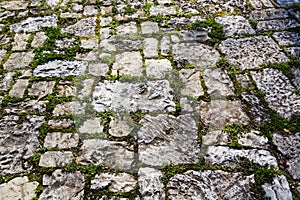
(18, 188)
(295, 51)
(149, 27)
(65, 43)
(277, 24)
(127, 28)
(200, 34)
(104, 152)
(76, 7)
(129, 44)
(41, 88)
(215, 137)
(63, 123)
(105, 21)
(56, 158)
(286, 38)
(122, 182)
(68, 15)
(82, 28)
(218, 83)
(39, 39)
(18, 60)
(296, 80)
(87, 88)
(90, 10)
(244, 80)
(128, 63)
(150, 182)
(14, 5)
(158, 68)
(89, 43)
(201, 55)
(150, 48)
(252, 52)
(96, 69)
(165, 139)
(235, 25)
(162, 10)
(52, 3)
(210, 185)
(66, 89)
(31, 106)
(286, 2)
(68, 108)
(279, 92)
(270, 13)
(278, 189)
(33, 24)
(165, 45)
(19, 88)
(63, 185)
(121, 125)
(210, 7)
(61, 140)
(256, 4)
(253, 139)
(219, 113)
(222, 155)
(2, 54)
(191, 82)
(6, 81)
(20, 41)
(91, 126)
(60, 68)
(18, 142)
(151, 96)
(267, 3)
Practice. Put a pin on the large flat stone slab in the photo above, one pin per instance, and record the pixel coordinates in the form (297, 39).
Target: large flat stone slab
(18, 60)
(33, 24)
(82, 28)
(128, 63)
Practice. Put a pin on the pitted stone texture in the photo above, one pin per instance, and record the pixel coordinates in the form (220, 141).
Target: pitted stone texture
(215, 137)
(14, 5)
(296, 80)
(18, 142)
(200, 34)
(33, 24)
(286, 38)
(91, 126)
(280, 94)
(270, 13)
(219, 113)
(152, 96)
(210, 185)
(38, 39)
(278, 189)
(98, 70)
(128, 28)
(68, 108)
(63, 185)
(277, 24)
(150, 48)
(82, 28)
(191, 82)
(222, 155)
(256, 4)
(2, 54)
(18, 188)
(121, 125)
(65, 43)
(125, 44)
(66, 89)
(162, 10)
(105, 21)
(90, 10)
(210, 7)
(104, 152)
(20, 41)
(32, 106)
(6, 81)
(218, 82)
(149, 27)
(253, 139)
(244, 80)
(289, 146)
(18, 60)
(249, 53)
(166, 139)
(235, 25)
(60, 68)
(158, 68)
(150, 182)
(128, 63)
(60, 123)
(87, 87)
(61, 140)
(295, 51)
(121, 182)
(201, 55)
(267, 3)
(56, 158)
(19, 88)
(286, 2)
(52, 3)
(41, 88)
(89, 43)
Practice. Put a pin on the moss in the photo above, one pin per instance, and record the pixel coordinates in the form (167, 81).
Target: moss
(8, 99)
(286, 68)
(253, 23)
(147, 7)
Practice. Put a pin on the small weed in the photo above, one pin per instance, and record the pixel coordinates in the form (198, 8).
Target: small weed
(253, 23)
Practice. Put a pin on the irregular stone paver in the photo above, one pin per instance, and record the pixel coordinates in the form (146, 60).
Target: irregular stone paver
(280, 94)
(296, 80)
(287, 2)
(215, 137)
(18, 188)
(96, 69)
(56, 159)
(18, 60)
(226, 156)
(60, 68)
(6, 81)
(41, 88)
(19, 88)
(39, 39)
(286, 38)
(63, 185)
(91, 126)
(157, 68)
(128, 28)
(295, 51)
(270, 13)
(128, 63)
(104, 152)
(61, 140)
(235, 25)
(20, 41)
(151, 48)
(249, 53)
(66, 89)
(162, 10)
(31, 106)
(166, 139)
(121, 125)
(253, 139)
(2, 54)
(150, 96)
(90, 43)
(82, 28)
(14, 5)
(121, 182)
(33, 24)
(278, 189)
(191, 82)
(68, 108)
(63, 123)
(210, 185)
(149, 27)
(277, 24)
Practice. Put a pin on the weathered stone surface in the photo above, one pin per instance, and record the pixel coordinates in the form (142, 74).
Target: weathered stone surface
(235, 25)
(82, 28)
(219, 113)
(31, 106)
(165, 139)
(20, 41)
(65, 43)
(121, 125)
(162, 10)
(87, 88)
(218, 83)
(165, 45)
(61, 140)
(105, 21)
(256, 4)
(280, 94)
(278, 189)
(14, 5)
(277, 24)
(253, 139)
(125, 44)
(149, 27)
(41, 88)
(215, 137)
(150, 48)
(150, 182)
(286, 38)
(222, 155)
(157, 68)
(66, 89)
(244, 80)
(128, 63)
(252, 52)
(104, 152)
(89, 43)
(295, 51)
(286, 2)
(210, 185)
(62, 123)
(63, 185)
(2, 54)
(18, 188)
(38, 40)
(201, 55)
(18, 60)
(92, 126)
(33, 24)
(52, 3)
(200, 34)
(90, 10)
(289, 147)
(121, 182)
(68, 108)
(19, 88)
(60, 68)
(152, 96)
(18, 142)
(127, 28)
(267, 3)
(191, 82)
(56, 158)
(296, 80)
(6, 81)
(270, 13)
(97, 69)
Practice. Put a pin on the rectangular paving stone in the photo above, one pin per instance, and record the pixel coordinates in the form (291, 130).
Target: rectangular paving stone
(190, 79)
(82, 28)
(162, 10)
(150, 48)
(18, 88)
(277, 24)
(128, 63)
(295, 51)
(270, 13)
(56, 158)
(61, 140)
(18, 60)
(20, 41)
(33, 24)
(157, 68)
(286, 38)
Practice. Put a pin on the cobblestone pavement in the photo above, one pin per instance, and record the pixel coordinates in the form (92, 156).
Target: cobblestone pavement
(154, 100)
